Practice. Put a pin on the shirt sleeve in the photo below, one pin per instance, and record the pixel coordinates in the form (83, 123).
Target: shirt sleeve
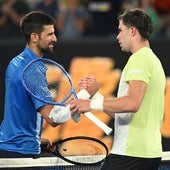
(138, 68)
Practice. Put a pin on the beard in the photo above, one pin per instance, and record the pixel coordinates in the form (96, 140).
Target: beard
(47, 50)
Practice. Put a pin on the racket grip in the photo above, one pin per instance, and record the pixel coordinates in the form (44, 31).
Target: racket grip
(82, 94)
(99, 123)
(76, 117)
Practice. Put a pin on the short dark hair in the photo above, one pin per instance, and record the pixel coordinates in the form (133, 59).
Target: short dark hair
(34, 22)
(139, 19)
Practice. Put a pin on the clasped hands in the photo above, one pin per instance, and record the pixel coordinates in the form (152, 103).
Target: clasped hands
(91, 85)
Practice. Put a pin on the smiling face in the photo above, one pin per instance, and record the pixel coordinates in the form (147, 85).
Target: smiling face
(47, 38)
(124, 37)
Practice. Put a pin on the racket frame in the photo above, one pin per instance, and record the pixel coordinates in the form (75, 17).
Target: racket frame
(77, 138)
(72, 92)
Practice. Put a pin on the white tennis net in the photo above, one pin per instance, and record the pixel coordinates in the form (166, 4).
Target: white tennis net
(55, 163)
(45, 163)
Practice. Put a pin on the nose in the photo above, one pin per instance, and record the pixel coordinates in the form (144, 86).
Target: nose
(117, 37)
(54, 38)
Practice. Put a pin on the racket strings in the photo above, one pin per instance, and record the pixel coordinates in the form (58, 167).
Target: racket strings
(58, 83)
(47, 81)
(83, 151)
(34, 79)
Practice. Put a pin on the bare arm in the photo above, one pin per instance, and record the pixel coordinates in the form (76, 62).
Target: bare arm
(45, 110)
(89, 83)
(55, 115)
(129, 103)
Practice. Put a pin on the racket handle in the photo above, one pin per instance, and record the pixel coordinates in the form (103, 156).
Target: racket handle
(82, 94)
(99, 123)
(76, 117)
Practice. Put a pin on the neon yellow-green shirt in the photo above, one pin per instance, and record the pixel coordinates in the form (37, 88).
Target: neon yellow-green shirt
(138, 134)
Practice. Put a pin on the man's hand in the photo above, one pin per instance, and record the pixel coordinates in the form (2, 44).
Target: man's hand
(80, 106)
(90, 84)
(46, 145)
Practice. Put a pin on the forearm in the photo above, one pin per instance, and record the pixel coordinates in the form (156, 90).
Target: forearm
(55, 115)
(117, 105)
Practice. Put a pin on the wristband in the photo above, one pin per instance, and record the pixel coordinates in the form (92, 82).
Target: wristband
(82, 94)
(96, 104)
(60, 114)
(97, 95)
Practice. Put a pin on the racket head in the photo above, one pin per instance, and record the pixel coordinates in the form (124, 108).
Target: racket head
(48, 81)
(81, 150)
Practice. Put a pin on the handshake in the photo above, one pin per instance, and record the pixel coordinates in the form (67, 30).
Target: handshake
(88, 87)
(61, 114)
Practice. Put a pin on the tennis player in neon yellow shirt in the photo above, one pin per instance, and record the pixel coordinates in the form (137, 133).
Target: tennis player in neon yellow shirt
(139, 107)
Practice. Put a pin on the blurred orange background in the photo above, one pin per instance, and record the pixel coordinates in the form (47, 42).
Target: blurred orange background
(108, 78)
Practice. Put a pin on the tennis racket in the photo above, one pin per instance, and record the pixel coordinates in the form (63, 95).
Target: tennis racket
(80, 150)
(48, 82)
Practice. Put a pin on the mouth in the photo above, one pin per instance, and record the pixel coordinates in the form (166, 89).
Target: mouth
(51, 45)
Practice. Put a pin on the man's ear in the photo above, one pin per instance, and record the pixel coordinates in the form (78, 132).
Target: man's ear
(34, 37)
(133, 31)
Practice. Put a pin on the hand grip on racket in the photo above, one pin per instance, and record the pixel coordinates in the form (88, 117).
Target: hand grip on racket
(80, 150)
(83, 94)
(47, 81)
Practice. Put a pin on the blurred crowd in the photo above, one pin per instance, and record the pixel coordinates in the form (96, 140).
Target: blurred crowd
(76, 19)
